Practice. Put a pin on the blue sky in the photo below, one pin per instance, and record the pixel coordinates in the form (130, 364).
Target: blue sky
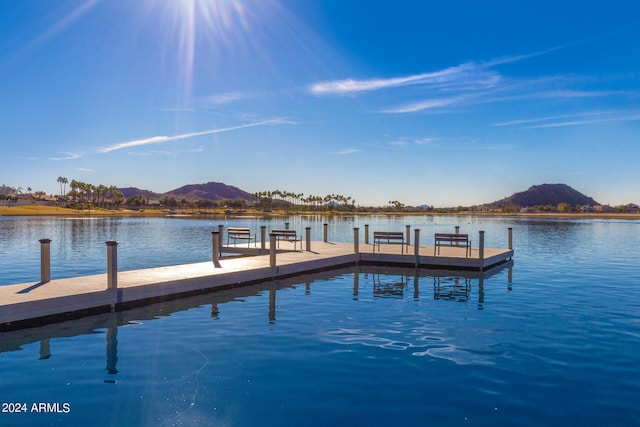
(444, 103)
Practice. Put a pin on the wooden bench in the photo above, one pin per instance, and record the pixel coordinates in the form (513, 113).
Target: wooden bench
(389, 238)
(287, 235)
(461, 240)
(238, 233)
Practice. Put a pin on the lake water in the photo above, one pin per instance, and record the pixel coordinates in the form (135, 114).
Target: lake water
(552, 339)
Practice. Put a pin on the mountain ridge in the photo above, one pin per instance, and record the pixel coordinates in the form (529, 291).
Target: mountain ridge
(546, 194)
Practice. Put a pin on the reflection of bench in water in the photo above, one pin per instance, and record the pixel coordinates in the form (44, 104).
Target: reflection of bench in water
(451, 288)
(391, 289)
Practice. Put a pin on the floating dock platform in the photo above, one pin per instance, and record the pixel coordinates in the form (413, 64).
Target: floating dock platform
(38, 303)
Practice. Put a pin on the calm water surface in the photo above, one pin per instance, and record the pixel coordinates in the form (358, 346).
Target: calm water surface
(552, 339)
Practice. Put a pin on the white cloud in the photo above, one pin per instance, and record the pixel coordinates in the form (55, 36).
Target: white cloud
(226, 98)
(422, 105)
(347, 151)
(469, 74)
(163, 139)
(69, 156)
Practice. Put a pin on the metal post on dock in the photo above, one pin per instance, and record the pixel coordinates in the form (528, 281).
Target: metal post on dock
(481, 248)
(272, 249)
(356, 240)
(263, 236)
(457, 232)
(408, 235)
(510, 238)
(45, 260)
(325, 238)
(416, 245)
(366, 234)
(286, 225)
(215, 244)
(112, 264)
(307, 232)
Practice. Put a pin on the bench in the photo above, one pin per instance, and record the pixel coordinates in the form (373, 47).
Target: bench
(389, 238)
(461, 240)
(237, 233)
(287, 235)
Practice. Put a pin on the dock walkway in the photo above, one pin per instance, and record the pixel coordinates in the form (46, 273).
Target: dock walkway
(31, 304)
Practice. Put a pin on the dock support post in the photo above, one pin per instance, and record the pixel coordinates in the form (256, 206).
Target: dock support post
(481, 249)
(416, 246)
(263, 236)
(221, 231)
(366, 234)
(112, 264)
(457, 232)
(325, 238)
(215, 244)
(286, 225)
(408, 235)
(356, 240)
(307, 232)
(510, 238)
(45, 260)
(272, 249)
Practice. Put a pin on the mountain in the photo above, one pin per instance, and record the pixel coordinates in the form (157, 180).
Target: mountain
(546, 194)
(211, 191)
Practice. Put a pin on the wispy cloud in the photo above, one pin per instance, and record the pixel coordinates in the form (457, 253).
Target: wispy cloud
(69, 156)
(85, 170)
(227, 98)
(163, 139)
(584, 118)
(464, 74)
(347, 151)
(470, 83)
(629, 118)
(404, 140)
(423, 105)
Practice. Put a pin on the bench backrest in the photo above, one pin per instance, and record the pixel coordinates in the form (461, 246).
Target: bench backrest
(286, 233)
(452, 237)
(238, 230)
(390, 235)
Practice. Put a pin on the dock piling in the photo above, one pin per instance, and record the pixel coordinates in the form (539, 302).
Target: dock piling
(366, 234)
(215, 244)
(272, 249)
(416, 245)
(481, 247)
(263, 236)
(356, 240)
(510, 238)
(112, 264)
(457, 232)
(45, 260)
(325, 238)
(221, 231)
(307, 231)
(408, 235)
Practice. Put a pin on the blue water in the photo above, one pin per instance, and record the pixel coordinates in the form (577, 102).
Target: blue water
(552, 339)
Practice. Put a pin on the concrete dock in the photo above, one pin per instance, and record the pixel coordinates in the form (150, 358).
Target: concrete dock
(38, 303)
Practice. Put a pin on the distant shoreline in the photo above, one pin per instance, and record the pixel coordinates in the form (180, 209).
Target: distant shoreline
(37, 210)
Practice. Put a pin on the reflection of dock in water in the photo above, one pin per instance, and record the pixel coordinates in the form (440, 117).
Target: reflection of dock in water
(385, 281)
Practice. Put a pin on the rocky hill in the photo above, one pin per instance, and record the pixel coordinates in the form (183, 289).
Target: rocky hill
(546, 194)
(209, 190)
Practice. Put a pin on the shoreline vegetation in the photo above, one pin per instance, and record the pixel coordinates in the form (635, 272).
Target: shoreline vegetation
(43, 210)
